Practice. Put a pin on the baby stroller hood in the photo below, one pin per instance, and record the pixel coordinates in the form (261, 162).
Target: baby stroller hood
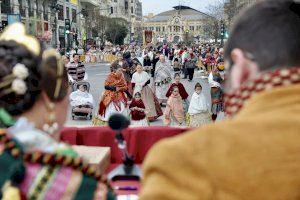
(76, 85)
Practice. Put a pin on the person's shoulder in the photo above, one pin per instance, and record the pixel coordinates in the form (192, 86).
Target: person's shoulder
(200, 142)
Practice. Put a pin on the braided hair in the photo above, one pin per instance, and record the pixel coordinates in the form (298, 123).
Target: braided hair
(12, 53)
(42, 76)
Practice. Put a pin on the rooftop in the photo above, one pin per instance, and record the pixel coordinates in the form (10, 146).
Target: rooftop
(185, 12)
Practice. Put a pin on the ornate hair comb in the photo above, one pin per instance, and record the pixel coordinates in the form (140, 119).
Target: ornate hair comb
(17, 32)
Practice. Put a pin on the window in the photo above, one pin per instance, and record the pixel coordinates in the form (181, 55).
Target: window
(126, 5)
(60, 12)
(67, 13)
(5, 6)
(131, 9)
(74, 19)
(163, 29)
(111, 10)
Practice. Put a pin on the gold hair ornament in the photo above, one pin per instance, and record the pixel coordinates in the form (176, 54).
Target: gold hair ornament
(15, 80)
(60, 69)
(17, 32)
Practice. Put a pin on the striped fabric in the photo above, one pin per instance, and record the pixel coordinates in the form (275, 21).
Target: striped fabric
(76, 71)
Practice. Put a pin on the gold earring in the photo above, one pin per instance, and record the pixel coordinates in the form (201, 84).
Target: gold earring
(51, 125)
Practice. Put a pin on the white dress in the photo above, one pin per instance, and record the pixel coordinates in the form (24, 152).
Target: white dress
(143, 122)
(199, 110)
(113, 109)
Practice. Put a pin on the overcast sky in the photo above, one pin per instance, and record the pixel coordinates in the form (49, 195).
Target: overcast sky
(157, 6)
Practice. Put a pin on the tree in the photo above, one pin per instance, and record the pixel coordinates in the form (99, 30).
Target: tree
(116, 31)
(212, 27)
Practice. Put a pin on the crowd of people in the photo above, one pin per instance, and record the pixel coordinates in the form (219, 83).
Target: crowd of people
(155, 73)
(252, 155)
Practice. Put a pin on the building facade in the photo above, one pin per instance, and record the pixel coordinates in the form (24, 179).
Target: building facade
(130, 10)
(44, 19)
(174, 25)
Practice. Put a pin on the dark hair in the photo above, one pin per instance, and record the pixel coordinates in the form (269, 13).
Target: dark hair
(176, 74)
(12, 53)
(198, 85)
(41, 76)
(114, 66)
(137, 94)
(270, 32)
(50, 77)
(75, 54)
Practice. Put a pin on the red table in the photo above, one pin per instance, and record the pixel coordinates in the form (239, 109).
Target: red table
(139, 140)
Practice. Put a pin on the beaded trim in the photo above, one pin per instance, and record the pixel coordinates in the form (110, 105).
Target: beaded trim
(51, 159)
(235, 101)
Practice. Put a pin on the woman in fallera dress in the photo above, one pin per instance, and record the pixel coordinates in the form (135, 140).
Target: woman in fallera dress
(162, 78)
(34, 90)
(114, 99)
(140, 82)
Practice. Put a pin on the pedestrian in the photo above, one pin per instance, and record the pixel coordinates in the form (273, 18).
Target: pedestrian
(216, 79)
(126, 69)
(76, 70)
(176, 65)
(114, 99)
(147, 64)
(190, 64)
(182, 91)
(138, 111)
(140, 83)
(184, 56)
(199, 113)
(154, 62)
(162, 78)
(174, 112)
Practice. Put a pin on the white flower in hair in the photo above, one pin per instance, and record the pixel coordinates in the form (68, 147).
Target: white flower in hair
(20, 71)
(19, 87)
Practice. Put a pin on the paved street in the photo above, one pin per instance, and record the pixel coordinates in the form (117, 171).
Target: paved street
(97, 74)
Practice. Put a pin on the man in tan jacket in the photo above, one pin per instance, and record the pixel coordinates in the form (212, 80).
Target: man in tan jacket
(255, 154)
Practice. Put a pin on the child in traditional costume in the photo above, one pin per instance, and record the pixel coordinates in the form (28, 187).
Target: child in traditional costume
(174, 112)
(182, 92)
(137, 108)
(199, 108)
(216, 79)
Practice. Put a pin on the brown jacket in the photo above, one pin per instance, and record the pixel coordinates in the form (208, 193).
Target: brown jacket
(254, 156)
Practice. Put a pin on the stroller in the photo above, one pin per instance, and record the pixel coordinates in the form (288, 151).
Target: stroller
(81, 110)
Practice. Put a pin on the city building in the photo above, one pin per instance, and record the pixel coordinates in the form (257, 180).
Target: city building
(43, 19)
(174, 25)
(130, 10)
